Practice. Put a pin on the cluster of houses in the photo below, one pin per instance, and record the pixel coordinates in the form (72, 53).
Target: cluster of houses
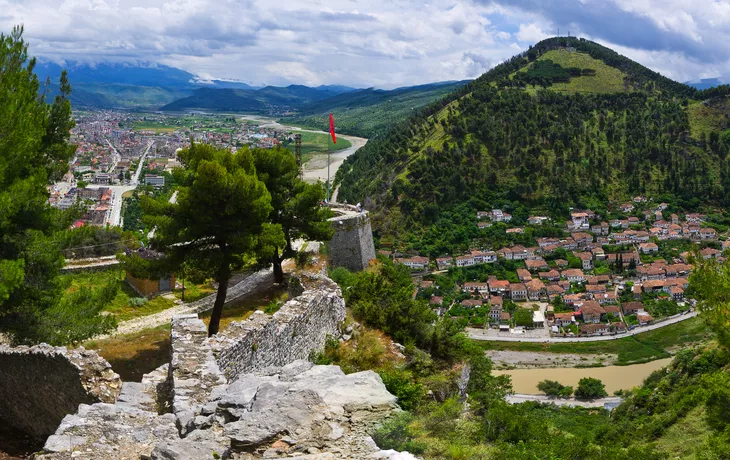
(593, 301)
(98, 202)
(596, 307)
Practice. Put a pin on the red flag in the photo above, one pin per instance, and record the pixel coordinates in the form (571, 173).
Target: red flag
(332, 129)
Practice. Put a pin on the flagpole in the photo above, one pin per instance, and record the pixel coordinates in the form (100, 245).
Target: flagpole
(328, 169)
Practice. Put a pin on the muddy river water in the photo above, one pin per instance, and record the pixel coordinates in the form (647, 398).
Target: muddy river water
(614, 377)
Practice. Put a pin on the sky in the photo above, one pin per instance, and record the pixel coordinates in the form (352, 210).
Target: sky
(363, 43)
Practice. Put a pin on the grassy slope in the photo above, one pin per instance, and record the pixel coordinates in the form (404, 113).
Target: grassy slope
(643, 347)
(685, 437)
(607, 79)
(708, 116)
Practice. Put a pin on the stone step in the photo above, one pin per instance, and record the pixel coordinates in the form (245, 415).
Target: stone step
(138, 396)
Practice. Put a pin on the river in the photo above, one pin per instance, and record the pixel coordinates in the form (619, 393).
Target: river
(316, 168)
(614, 377)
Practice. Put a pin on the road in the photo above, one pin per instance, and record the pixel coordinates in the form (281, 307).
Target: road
(611, 402)
(116, 157)
(484, 334)
(114, 215)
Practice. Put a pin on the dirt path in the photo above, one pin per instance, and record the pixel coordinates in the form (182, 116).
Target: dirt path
(245, 286)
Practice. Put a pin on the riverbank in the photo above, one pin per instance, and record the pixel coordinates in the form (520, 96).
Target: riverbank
(509, 359)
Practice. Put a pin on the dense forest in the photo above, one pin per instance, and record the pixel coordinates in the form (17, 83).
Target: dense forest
(493, 141)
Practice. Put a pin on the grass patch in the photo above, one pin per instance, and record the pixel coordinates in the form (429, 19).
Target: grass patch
(241, 309)
(194, 292)
(641, 348)
(685, 437)
(606, 80)
(127, 304)
(134, 355)
(709, 116)
(316, 143)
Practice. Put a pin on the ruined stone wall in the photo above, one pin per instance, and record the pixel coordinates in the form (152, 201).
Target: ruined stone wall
(300, 326)
(42, 384)
(352, 244)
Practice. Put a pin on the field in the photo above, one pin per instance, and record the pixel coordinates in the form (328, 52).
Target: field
(159, 128)
(606, 80)
(316, 143)
(649, 346)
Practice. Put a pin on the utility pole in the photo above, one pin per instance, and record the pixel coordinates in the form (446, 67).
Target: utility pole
(298, 153)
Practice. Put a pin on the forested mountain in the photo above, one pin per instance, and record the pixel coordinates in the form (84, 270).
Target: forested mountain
(266, 99)
(568, 122)
(368, 111)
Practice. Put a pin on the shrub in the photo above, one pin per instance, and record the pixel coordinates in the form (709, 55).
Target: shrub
(553, 388)
(401, 384)
(590, 388)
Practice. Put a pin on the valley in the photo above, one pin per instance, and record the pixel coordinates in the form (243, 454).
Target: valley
(538, 264)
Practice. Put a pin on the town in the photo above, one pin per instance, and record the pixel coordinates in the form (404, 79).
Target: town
(119, 150)
(602, 278)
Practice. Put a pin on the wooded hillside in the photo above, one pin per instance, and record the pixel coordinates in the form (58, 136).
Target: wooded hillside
(498, 138)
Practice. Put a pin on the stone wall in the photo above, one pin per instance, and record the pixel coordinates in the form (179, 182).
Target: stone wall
(193, 371)
(42, 384)
(300, 326)
(352, 244)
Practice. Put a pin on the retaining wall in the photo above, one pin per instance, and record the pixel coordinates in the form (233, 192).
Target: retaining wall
(40, 385)
(300, 326)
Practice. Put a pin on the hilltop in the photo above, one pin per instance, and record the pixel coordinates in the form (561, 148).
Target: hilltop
(567, 123)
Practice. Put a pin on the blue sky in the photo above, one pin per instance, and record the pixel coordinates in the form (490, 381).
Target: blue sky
(382, 43)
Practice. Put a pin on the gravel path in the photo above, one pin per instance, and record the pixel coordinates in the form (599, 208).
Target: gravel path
(566, 402)
(246, 286)
(540, 359)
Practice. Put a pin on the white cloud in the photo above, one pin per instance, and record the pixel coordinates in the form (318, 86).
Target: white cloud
(384, 43)
(531, 33)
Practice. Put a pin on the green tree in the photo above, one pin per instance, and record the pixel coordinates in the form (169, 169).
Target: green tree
(34, 151)
(553, 388)
(710, 283)
(295, 203)
(523, 317)
(219, 222)
(590, 388)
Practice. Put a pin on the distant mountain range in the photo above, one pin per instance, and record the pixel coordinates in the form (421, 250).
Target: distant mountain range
(158, 87)
(108, 85)
(271, 99)
(704, 83)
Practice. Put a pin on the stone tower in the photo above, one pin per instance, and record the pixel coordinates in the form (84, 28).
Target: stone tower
(352, 244)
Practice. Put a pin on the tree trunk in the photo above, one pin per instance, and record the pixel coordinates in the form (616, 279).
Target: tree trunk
(278, 270)
(224, 275)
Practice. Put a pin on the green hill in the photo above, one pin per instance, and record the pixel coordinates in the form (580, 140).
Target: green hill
(370, 111)
(567, 123)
